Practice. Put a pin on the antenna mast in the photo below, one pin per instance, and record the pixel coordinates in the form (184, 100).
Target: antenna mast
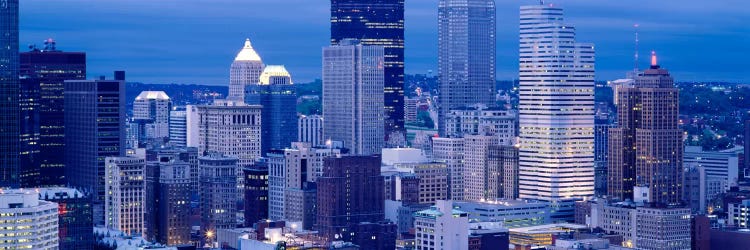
(635, 68)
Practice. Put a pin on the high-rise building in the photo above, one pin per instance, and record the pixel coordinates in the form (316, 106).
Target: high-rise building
(700, 189)
(479, 175)
(646, 148)
(310, 129)
(278, 97)
(441, 228)
(27, 221)
(466, 55)
(230, 128)
(349, 192)
(380, 23)
(94, 130)
(482, 120)
(9, 90)
(501, 173)
(126, 195)
(402, 165)
(43, 71)
(169, 186)
(74, 217)
(601, 152)
(245, 70)
(218, 192)
(352, 96)
(556, 108)
(256, 192)
(659, 227)
(153, 107)
(722, 165)
(451, 152)
(178, 127)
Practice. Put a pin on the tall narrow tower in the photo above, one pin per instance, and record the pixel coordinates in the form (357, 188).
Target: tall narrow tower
(377, 22)
(556, 109)
(245, 70)
(466, 55)
(646, 148)
(9, 89)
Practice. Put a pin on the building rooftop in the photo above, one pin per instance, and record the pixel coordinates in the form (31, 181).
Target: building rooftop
(273, 70)
(549, 228)
(57, 193)
(152, 95)
(247, 53)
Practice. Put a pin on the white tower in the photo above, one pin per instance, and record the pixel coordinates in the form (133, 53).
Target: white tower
(556, 110)
(245, 70)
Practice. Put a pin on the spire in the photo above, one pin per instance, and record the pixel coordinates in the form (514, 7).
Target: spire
(247, 44)
(654, 61)
(247, 53)
(635, 69)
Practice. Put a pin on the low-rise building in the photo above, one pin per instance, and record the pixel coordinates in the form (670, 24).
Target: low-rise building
(442, 228)
(27, 222)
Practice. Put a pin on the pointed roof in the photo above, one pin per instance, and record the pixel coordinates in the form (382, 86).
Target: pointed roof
(247, 53)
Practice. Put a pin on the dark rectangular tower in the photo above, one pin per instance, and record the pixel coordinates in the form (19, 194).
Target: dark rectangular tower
(350, 192)
(94, 130)
(377, 22)
(9, 89)
(43, 72)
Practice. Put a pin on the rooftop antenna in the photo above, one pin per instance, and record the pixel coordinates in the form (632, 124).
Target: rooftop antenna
(635, 68)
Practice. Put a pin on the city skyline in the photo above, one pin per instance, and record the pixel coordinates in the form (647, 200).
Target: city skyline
(146, 40)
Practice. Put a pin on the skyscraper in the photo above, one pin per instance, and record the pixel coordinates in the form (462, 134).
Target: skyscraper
(451, 152)
(126, 195)
(349, 192)
(466, 55)
(45, 71)
(9, 88)
(256, 192)
(556, 108)
(245, 70)
(480, 177)
(94, 130)
(646, 148)
(377, 22)
(278, 97)
(310, 129)
(352, 98)
(178, 127)
(168, 193)
(218, 189)
(153, 107)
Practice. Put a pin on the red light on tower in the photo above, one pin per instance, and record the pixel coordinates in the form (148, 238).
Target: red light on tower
(653, 59)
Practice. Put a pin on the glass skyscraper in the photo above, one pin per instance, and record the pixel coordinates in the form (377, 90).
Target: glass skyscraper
(9, 89)
(556, 108)
(466, 55)
(43, 72)
(377, 22)
(278, 97)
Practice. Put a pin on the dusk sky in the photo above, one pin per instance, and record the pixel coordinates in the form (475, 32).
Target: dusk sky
(194, 41)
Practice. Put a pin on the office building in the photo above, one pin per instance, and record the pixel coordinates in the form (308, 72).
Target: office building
(657, 227)
(563, 114)
(511, 213)
(178, 127)
(602, 124)
(278, 97)
(377, 23)
(232, 129)
(700, 189)
(376, 236)
(410, 109)
(74, 217)
(349, 192)
(501, 172)
(126, 195)
(482, 120)
(488, 236)
(9, 89)
(218, 188)
(245, 70)
(466, 55)
(310, 130)
(646, 148)
(477, 174)
(441, 227)
(256, 192)
(401, 186)
(27, 221)
(43, 72)
(723, 165)
(300, 205)
(153, 107)
(451, 152)
(352, 96)
(94, 130)
(169, 187)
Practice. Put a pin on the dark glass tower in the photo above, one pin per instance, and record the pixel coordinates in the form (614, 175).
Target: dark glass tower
(43, 72)
(94, 130)
(377, 22)
(9, 88)
(256, 192)
(278, 97)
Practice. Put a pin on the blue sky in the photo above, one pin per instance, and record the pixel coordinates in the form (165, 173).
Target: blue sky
(194, 41)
